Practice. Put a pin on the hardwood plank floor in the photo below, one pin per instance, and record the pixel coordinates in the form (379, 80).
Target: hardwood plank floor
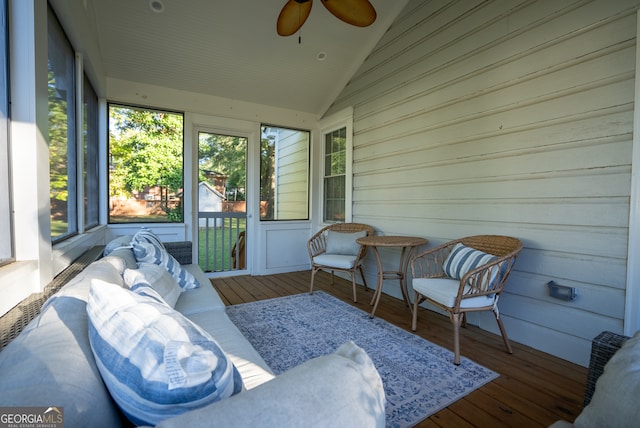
(534, 389)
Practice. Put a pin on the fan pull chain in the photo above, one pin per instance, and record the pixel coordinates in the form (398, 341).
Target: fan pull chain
(300, 27)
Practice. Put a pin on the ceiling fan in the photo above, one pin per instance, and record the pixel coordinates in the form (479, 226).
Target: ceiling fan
(295, 12)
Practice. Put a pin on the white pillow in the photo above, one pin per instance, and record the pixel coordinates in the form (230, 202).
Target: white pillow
(155, 362)
(157, 278)
(344, 243)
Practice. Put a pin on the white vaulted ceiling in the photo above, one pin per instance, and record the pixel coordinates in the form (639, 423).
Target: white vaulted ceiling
(229, 48)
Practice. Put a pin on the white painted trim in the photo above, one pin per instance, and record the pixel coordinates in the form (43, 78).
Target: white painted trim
(195, 122)
(632, 303)
(343, 118)
(79, 79)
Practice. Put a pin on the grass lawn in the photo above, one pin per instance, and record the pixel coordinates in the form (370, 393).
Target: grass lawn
(220, 246)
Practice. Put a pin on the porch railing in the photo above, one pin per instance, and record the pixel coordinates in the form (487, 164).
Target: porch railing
(221, 241)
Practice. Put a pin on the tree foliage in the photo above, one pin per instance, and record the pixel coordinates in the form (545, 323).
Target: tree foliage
(58, 142)
(146, 150)
(224, 154)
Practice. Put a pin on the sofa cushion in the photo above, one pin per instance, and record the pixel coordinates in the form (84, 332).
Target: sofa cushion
(344, 242)
(615, 399)
(51, 364)
(252, 367)
(342, 389)
(201, 299)
(157, 278)
(155, 362)
(126, 254)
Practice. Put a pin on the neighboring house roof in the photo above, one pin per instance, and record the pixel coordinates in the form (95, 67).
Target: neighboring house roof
(208, 187)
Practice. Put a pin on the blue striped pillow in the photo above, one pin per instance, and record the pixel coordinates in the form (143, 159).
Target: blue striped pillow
(146, 252)
(463, 259)
(155, 362)
(146, 235)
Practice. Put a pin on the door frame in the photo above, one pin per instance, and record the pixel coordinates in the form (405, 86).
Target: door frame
(196, 123)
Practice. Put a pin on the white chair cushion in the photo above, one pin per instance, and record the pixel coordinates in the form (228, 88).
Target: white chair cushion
(445, 290)
(344, 242)
(335, 260)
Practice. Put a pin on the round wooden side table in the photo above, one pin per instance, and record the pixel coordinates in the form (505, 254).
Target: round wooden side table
(408, 245)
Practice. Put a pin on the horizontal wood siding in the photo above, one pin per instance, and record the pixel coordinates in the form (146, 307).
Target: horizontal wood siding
(292, 168)
(515, 118)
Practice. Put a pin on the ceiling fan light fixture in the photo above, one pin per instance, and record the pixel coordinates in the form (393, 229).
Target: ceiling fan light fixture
(359, 13)
(294, 13)
(292, 16)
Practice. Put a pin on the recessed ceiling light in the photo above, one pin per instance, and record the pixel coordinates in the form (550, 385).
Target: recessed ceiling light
(321, 56)
(156, 5)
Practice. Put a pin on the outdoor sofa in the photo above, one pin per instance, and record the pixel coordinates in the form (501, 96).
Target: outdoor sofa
(613, 384)
(52, 362)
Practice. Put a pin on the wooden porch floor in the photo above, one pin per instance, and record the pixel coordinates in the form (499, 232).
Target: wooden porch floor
(534, 389)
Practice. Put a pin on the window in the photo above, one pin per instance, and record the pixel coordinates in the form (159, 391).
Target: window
(335, 167)
(6, 243)
(62, 132)
(284, 174)
(145, 165)
(90, 155)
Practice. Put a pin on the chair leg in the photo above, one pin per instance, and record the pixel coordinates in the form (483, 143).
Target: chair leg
(505, 339)
(331, 277)
(353, 281)
(364, 281)
(313, 275)
(456, 319)
(414, 318)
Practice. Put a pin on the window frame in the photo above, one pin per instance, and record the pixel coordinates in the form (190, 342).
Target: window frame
(328, 125)
(277, 162)
(72, 149)
(7, 254)
(111, 104)
(329, 175)
(90, 147)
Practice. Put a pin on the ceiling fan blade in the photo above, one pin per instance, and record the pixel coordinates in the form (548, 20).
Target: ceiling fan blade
(292, 16)
(355, 12)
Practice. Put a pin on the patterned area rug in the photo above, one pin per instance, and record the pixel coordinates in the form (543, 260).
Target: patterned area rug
(419, 377)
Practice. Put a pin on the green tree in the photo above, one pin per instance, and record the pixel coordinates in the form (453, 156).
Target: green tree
(145, 151)
(224, 154)
(267, 173)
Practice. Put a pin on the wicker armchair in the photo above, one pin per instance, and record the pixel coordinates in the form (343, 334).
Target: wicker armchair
(459, 279)
(333, 248)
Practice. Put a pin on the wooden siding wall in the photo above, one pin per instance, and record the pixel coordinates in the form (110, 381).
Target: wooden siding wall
(507, 117)
(292, 169)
